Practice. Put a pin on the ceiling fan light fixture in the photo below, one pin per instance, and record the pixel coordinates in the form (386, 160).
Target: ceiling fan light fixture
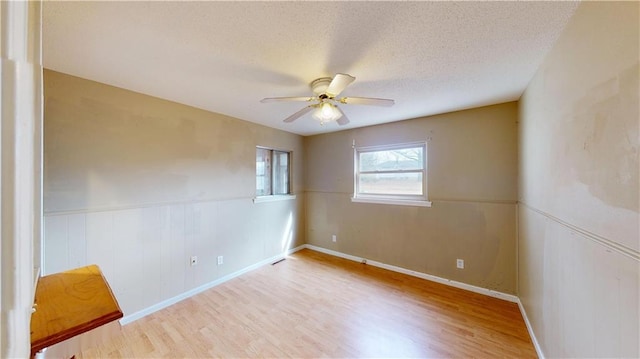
(326, 112)
(327, 90)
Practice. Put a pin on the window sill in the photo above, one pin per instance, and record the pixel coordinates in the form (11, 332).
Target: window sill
(284, 197)
(397, 202)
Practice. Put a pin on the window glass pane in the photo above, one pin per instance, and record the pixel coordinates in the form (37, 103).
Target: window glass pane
(390, 160)
(263, 172)
(280, 172)
(391, 183)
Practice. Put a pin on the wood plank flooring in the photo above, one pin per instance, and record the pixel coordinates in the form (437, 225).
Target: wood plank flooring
(316, 305)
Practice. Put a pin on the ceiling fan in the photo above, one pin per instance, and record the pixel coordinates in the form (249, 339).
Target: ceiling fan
(326, 100)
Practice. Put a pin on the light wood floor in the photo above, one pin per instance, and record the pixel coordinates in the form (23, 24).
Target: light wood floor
(316, 305)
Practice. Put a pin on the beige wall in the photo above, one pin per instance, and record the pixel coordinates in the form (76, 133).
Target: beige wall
(472, 181)
(105, 147)
(138, 185)
(578, 212)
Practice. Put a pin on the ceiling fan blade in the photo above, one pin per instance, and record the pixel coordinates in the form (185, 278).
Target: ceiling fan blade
(338, 84)
(342, 120)
(366, 101)
(298, 114)
(281, 99)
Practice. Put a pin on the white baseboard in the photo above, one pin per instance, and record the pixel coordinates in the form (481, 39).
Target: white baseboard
(530, 329)
(165, 303)
(433, 278)
(492, 293)
(473, 288)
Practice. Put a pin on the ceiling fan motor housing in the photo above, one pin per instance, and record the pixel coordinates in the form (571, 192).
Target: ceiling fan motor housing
(319, 86)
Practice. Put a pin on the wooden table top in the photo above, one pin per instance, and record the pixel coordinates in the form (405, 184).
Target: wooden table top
(71, 303)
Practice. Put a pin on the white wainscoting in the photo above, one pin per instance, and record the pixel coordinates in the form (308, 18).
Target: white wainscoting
(145, 252)
(581, 295)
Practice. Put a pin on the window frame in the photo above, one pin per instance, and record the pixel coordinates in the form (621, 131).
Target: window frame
(394, 199)
(273, 196)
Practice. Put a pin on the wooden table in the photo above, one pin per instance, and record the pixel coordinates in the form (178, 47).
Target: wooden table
(69, 304)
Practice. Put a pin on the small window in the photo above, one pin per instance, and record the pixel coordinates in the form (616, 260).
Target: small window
(272, 172)
(394, 174)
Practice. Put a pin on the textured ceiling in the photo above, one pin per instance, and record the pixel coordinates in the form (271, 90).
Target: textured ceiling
(430, 57)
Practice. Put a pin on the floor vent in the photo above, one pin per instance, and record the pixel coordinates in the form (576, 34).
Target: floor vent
(278, 261)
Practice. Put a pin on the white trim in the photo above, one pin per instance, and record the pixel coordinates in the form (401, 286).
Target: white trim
(272, 174)
(402, 200)
(433, 278)
(398, 202)
(481, 201)
(492, 293)
(274, 198)
(20, 179)
(609, 243)
(530, 329)
(394, 146)
(142, 205)
(274, 149)
(165, 303)
(333, 253)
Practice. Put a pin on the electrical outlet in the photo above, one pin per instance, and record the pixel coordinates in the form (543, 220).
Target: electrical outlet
(194, 261)
(220, 260)
(460, 263)
(334, 238)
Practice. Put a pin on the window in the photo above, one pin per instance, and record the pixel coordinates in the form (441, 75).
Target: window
(392, 174)
(272, 173)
